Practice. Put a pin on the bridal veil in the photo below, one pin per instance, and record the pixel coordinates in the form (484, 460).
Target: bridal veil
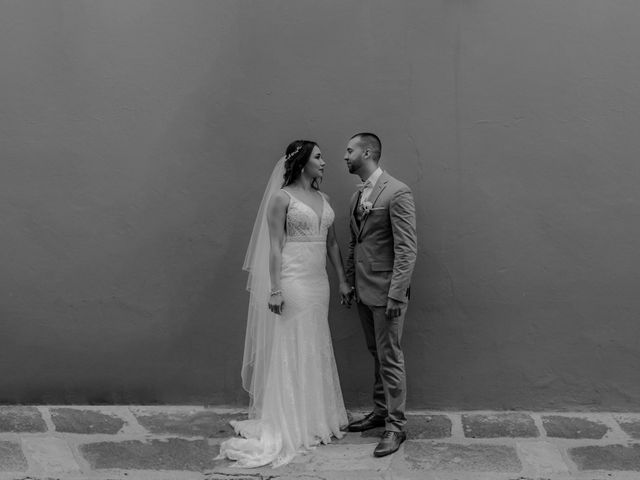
(260, 320)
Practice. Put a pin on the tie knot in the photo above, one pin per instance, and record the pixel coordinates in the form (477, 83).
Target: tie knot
(361, 186)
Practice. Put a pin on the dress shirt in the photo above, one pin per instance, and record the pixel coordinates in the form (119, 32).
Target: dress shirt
(369, 184)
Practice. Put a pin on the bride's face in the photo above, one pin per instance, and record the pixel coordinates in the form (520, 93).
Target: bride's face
(315, 165)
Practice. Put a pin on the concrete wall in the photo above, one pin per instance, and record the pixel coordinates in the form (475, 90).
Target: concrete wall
(136, 137)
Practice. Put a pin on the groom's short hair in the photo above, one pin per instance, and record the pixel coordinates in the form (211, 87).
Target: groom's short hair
(370, 141)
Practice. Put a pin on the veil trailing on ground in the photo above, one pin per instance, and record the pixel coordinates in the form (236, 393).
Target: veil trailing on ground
(260, 320)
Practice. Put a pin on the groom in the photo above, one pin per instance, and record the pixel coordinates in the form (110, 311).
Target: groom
(382, 254)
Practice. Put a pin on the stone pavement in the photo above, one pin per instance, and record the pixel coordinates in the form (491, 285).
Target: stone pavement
(181, 442)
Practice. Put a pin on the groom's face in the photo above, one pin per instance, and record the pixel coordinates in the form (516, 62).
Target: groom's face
(354, 155)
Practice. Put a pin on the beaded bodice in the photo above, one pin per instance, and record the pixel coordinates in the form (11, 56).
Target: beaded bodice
(303, 224)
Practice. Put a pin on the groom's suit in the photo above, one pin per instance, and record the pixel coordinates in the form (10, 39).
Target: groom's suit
(382, 254)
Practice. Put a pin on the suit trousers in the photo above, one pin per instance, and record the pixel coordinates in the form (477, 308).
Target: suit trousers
(383, 337)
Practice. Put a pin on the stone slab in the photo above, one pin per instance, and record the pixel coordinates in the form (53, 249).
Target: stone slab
(455, 457)
(200, 423)
(170, 454)
(50, 455)
(345, 458)
(541, 459)
(240, 476)
(74, 420)
(607, 457)
(558, 426)
(21, 420)
(630, 427)
(282, 473)
(11, 458)
(499, 425)
(420, 426)
(428, 426)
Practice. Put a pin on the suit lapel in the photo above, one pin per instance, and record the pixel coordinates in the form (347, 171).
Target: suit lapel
(354, 202)
(373, 198)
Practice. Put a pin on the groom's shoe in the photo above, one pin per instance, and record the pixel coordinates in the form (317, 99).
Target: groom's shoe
(390, 443)
(367, 423)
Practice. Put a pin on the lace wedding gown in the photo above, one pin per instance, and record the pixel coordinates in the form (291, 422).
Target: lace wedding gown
(302, 402)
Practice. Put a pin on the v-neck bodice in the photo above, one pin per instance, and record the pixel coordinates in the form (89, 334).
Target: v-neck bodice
(303, 222)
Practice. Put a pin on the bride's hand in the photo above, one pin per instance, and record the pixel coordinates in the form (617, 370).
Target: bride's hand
(276, 303)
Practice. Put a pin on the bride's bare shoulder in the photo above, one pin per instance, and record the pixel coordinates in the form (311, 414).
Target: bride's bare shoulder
(280, 199)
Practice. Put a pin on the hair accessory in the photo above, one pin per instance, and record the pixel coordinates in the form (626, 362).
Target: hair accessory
(293, 154)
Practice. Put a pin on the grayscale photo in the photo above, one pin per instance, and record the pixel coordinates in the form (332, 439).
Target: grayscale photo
(329, 240)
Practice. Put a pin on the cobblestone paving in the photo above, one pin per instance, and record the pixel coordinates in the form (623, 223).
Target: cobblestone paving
(181, 442)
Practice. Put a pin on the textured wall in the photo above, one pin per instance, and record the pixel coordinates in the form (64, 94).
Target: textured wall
(136, 137)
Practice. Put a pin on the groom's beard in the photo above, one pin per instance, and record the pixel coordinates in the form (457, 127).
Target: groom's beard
(354, 165)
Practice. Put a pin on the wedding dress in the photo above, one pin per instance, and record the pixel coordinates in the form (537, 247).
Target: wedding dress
(301, 403)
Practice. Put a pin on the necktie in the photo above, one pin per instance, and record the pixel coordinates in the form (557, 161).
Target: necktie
(363, 185)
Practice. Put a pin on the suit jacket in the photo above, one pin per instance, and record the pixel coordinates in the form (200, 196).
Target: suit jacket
(383, 249)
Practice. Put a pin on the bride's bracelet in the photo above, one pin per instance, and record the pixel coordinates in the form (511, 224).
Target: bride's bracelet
(276, 292)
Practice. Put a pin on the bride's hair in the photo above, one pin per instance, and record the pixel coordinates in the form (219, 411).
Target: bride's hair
(296, 157)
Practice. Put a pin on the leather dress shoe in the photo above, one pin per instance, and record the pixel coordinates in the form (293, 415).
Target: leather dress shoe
(390, 443)
(367, 423)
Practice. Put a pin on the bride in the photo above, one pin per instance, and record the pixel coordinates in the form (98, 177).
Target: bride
(289, 368)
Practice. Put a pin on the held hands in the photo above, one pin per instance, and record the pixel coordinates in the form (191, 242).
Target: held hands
(347, 294)
(276, 303)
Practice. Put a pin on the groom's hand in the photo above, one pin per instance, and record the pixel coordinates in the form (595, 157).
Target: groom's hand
(394, 308)
(346, 294)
